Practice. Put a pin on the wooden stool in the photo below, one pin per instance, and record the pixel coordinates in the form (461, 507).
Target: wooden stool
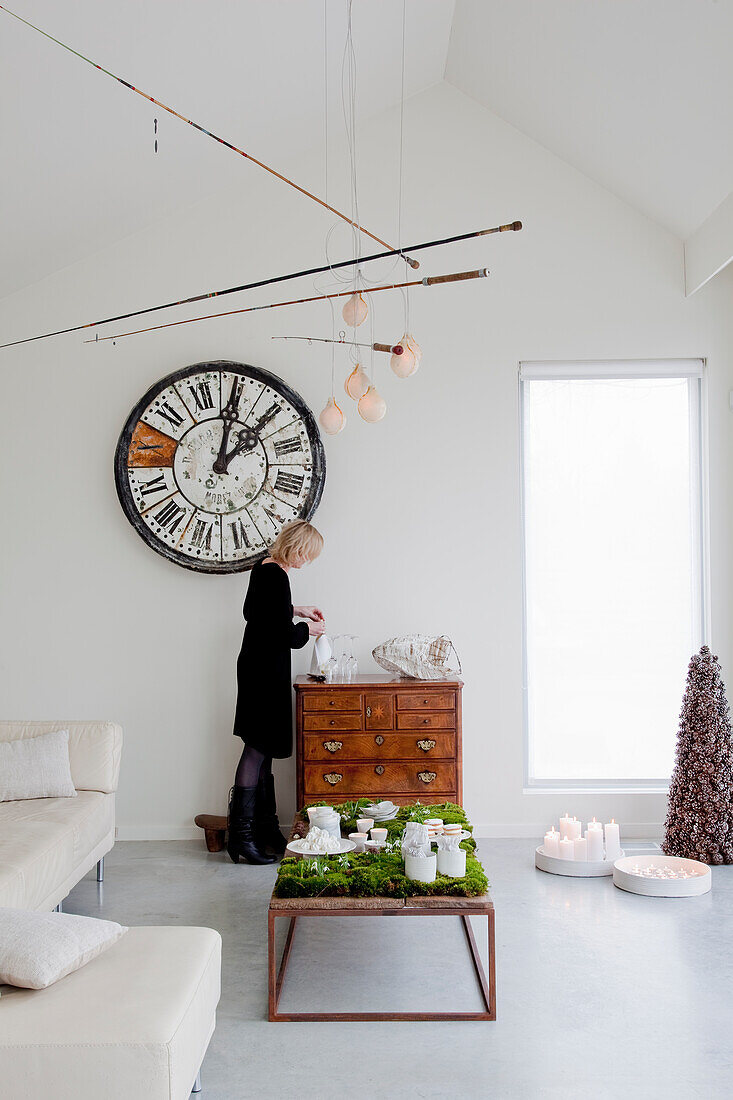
(215, 828)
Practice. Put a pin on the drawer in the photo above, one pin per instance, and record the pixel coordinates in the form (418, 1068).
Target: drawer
(332, 700)
(333, 721)
(351, 796)
(416, 721)
(427, 700)
(374, 748)
(334, 776)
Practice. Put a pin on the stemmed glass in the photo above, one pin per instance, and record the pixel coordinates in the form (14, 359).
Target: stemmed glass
(352, 666)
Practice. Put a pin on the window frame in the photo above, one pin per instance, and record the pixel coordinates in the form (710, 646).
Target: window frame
(695, 370)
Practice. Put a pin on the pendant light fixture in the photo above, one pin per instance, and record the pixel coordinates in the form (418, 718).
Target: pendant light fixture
(357, 384)
(355, 311)
(405, 364)
(372, 406)
(331, 418)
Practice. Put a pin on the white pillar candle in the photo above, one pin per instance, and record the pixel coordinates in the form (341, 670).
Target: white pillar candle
(580, 848)
(595, 841)
(613, 840)
(551, 846)
(567, 848)
(575, 829)
(565, 826)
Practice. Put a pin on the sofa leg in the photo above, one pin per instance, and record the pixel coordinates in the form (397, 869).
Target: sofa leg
(197, 1083)
(100, 870)
(59, 908)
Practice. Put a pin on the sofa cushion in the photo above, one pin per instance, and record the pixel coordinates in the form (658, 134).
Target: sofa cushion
(135, 1021)
(36, 767)
(43, 840)
(38, 949)
(94, 749)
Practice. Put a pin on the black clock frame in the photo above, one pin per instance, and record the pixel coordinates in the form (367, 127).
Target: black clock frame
(124, 493)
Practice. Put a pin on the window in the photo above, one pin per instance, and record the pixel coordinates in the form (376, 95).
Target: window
(613, 566)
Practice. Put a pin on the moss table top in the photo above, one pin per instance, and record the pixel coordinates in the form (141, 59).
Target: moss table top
(370, 880)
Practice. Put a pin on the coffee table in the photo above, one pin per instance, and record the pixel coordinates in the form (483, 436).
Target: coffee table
(295, 909)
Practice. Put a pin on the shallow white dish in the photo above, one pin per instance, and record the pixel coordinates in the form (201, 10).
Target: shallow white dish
(697, 884)
(572, 868)
(346, 846)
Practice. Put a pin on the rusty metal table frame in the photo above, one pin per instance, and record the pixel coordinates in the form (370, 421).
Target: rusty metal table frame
(465, 908)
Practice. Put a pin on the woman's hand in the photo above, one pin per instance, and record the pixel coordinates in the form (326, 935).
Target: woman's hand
(315, 629)
(313, 613)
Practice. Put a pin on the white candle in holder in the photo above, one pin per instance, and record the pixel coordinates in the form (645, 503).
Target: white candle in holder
(613, 841)
(567, 848)
(580, 848)
(565, 823)
(552, 843)
(594, 837)
(575, 829)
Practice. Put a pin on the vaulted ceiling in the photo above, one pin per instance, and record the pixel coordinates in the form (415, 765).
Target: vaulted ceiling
(637, 94)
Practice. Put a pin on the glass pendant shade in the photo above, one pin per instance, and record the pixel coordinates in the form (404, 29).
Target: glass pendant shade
(372, 406)
(407, 363)
(357, 383)
(355, 311)
(331, 419)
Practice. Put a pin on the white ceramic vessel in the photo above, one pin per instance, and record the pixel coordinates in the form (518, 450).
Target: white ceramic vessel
(700, 880)
(421, 868)
(344, 846)
(452, 864)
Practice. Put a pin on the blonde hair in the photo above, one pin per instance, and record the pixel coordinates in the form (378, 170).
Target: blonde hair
(297, 539)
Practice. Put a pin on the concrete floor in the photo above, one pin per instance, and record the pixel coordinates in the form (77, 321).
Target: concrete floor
(601, 994)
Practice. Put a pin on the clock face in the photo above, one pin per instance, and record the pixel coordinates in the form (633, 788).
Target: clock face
(214, 460)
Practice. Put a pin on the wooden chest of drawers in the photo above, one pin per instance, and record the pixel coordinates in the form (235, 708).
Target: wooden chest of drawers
(378, 737)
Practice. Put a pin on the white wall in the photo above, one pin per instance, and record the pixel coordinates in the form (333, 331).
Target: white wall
(420, 513)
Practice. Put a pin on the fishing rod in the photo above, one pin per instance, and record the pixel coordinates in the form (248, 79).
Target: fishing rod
(512, 226)
(393, 349)
(208, 133)
(433, 280)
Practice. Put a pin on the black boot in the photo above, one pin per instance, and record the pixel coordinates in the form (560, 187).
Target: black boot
(241, 824)
(268, 826)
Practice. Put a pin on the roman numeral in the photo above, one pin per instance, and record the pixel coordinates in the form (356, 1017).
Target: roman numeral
(289, 483)
(239, 535)
(170, 516)
(201, 537)
(173, 417)
(277, 520)
(267, 416)
(154, 486)
(285, 446)
(201, 394)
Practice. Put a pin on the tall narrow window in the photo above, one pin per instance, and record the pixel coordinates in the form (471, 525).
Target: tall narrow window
(613, 566)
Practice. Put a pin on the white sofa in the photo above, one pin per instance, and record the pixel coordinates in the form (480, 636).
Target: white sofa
(135, 1021)
(48, 844)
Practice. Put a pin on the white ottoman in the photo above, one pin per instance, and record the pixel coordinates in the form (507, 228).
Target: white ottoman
(134, 1022)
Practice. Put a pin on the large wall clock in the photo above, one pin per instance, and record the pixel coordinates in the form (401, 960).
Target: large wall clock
(214, 460)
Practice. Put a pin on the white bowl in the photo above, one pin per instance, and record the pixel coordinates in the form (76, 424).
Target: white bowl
(699, 882)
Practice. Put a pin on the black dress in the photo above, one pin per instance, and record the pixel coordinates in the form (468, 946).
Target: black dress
(263, 717)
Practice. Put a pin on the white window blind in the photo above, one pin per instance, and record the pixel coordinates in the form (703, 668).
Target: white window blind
(613, 565)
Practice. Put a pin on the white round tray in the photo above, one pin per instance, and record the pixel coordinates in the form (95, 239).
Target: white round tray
(587, 868)
(662, 887)
(346, 846)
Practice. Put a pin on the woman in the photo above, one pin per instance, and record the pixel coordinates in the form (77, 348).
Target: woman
(264, 718)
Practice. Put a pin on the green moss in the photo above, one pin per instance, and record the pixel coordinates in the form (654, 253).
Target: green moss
(378, 874)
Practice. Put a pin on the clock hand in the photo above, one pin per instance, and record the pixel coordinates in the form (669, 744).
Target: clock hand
(248, 437)
(228, 414)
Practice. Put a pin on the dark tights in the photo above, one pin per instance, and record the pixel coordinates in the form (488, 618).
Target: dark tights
(252, 767)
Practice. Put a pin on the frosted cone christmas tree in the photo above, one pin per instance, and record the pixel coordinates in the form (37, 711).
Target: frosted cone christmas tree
(699, 821)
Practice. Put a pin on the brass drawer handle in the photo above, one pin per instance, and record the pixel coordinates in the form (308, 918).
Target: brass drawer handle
(379, 769)
(426, 721)
(379, 739)
(426, 746)
(427, 777)
(333, 746)
(333, 778)
(369, 712)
